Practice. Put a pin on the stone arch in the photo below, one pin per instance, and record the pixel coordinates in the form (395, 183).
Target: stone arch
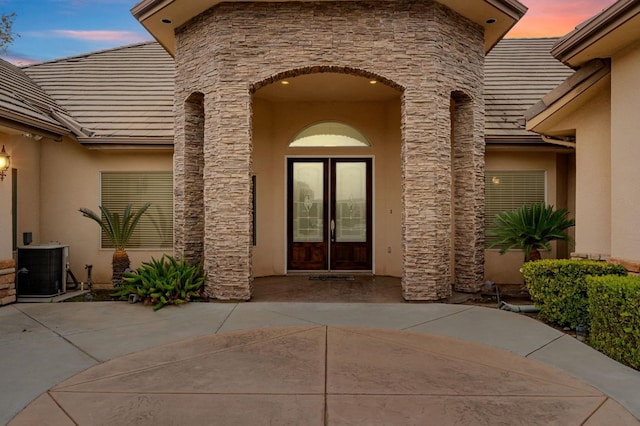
(324, 69)
(189, 187)
(466, 195)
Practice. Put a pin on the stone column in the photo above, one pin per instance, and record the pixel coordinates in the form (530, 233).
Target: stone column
(190, 183)
(426, 179)
(227, 193)
(468, 190)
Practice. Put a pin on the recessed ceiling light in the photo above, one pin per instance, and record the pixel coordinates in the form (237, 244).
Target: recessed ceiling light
(491, 21)
(284, 82)
(373, 81)
(165, 20)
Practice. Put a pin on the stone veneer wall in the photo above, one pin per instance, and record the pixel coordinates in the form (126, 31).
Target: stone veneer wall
(422, 47)
(189, 182)
(468, 195)
(7, 282)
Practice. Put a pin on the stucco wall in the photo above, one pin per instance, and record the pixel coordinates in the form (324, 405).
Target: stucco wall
(421, 47)
(275, 125)
(625, 154)
(25, 157)
(505, 269)
(590, 117)
(54, 180)
(70, 179)
(593, 175)
(5, 213)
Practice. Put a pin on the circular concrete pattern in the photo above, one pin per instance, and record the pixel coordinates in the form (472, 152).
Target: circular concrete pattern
(323, 375)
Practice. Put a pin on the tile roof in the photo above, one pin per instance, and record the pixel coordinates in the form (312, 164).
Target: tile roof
(24, 104)
(116, 94)
(518, 73)
(125, 95)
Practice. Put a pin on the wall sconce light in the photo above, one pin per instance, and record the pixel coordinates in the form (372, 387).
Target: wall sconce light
(5, 163)
(35, 137)
(495, 180)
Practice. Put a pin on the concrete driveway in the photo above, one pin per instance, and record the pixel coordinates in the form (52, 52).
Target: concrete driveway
(301, 363)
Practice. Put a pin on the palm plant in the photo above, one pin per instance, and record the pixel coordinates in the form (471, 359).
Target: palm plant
(118, 231)
(167, 281)
(530, 228)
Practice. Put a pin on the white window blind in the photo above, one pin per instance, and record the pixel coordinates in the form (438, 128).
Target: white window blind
(509, 190)
(155, 229)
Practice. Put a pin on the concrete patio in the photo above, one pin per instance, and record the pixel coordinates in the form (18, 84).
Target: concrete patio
(301, 363)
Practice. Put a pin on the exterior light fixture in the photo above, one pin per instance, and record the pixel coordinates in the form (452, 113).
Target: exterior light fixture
(284, 82)
(491, 21)
(5, 163)
(495, 180)
(373, 81)
(36, 138)
(165, 20)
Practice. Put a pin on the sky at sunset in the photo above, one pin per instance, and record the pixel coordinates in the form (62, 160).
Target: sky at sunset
(51, 29)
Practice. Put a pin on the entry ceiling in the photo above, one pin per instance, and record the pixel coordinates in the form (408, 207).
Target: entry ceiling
(327, 87)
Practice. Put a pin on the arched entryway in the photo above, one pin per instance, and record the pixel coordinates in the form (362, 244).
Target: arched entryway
(333, 135)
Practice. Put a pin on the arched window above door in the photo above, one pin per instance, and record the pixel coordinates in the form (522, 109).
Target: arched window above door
(329, 134)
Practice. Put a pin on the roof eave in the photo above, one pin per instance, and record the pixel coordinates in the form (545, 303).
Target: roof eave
(127, 143)
(593, 30)
(30, 125)
(533, 144)
(152, 14)
(570, 90)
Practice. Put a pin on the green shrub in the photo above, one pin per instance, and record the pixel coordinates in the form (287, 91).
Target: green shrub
(614, 305)
(530, 228)
(558, 288)
(163, 282)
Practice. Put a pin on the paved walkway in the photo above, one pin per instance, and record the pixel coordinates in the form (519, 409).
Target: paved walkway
(301, 363)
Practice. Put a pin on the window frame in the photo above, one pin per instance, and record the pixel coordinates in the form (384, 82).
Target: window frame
(346, 131)
(491, 174)
(166, 224)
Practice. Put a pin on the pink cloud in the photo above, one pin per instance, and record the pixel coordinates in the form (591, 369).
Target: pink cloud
(550, 18)
(103, 35)
(20, 61)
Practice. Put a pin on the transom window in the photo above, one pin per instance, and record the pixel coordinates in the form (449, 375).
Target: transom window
(155, 228)
(329, 134)
(509, 190)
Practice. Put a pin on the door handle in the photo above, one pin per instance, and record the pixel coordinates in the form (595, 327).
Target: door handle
(332, 226)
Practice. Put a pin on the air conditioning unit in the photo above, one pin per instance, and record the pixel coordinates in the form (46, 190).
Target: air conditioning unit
(42, 270)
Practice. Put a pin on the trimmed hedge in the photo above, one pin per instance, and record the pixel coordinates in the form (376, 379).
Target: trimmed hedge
(558, 288)
(614, 306)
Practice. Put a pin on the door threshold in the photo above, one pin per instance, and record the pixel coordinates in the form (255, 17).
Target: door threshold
(332, 277)
(328, 272)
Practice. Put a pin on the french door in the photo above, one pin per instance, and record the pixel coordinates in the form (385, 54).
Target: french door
(329, 214)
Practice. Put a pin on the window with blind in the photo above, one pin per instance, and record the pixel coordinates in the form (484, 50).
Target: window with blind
(509, 190)
(155, 229)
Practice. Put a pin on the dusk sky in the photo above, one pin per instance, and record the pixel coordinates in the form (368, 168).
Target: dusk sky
(51, 29)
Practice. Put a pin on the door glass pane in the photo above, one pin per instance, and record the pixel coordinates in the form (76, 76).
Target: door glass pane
(351, 202)
(308, 201)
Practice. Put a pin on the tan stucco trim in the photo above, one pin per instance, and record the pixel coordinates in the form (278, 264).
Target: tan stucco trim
(162, 17)
(601, 36)
(542, 147)
(531, 138)
(19, 122)
(127, 143)
(553, 105)
(629, 265)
